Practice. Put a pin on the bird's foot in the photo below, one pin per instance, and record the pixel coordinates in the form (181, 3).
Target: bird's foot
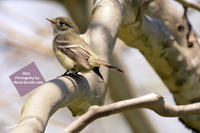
(71, 74)
(65, 74)
(78, 75)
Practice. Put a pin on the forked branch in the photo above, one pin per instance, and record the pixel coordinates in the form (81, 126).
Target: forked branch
(151, 101)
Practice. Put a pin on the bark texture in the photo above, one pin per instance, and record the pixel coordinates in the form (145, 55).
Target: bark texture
(166, 39)
(76, 93)
(163, 35)
(152, 101)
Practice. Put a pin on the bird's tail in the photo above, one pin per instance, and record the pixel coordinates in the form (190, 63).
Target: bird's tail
(99, 61)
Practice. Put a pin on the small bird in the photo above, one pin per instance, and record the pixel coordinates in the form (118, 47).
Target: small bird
(73, 53)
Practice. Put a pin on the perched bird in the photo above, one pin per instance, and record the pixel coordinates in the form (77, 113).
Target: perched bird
(73, 53)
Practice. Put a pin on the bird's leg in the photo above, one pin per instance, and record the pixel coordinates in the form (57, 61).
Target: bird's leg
(71, 74)
(65, 74)
(76, 74)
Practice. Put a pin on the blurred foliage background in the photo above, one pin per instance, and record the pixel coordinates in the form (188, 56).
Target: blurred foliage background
(26, 37)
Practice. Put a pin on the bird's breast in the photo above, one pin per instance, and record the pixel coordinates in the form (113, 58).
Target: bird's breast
(64, 60)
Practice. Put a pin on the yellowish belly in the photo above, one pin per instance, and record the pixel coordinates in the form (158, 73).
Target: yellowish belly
(64, 60)
(70, 64)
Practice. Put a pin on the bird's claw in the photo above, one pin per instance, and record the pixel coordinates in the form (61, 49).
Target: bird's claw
(70, 74)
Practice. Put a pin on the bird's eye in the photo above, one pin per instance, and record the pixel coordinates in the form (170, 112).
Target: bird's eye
(61, 22)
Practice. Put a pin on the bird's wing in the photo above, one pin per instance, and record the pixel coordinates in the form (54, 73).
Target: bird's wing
(76, 52)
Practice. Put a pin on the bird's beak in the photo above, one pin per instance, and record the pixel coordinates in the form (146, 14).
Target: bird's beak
(53, 22)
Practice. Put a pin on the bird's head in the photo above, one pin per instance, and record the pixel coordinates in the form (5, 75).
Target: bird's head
(63, 25)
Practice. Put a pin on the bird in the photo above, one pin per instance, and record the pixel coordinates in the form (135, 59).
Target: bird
(71, 50)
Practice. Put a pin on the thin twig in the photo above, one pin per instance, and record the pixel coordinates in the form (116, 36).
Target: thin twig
(151, 101)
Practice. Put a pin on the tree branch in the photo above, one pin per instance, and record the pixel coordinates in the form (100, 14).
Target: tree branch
(151, 101)
(77, 93)
(151, 36)
(187, 4)
(137, 119)
(162, 37)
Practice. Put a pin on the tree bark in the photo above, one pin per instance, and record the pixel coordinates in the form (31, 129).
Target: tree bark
(77, 93)
(151, 101)
(166, 39)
